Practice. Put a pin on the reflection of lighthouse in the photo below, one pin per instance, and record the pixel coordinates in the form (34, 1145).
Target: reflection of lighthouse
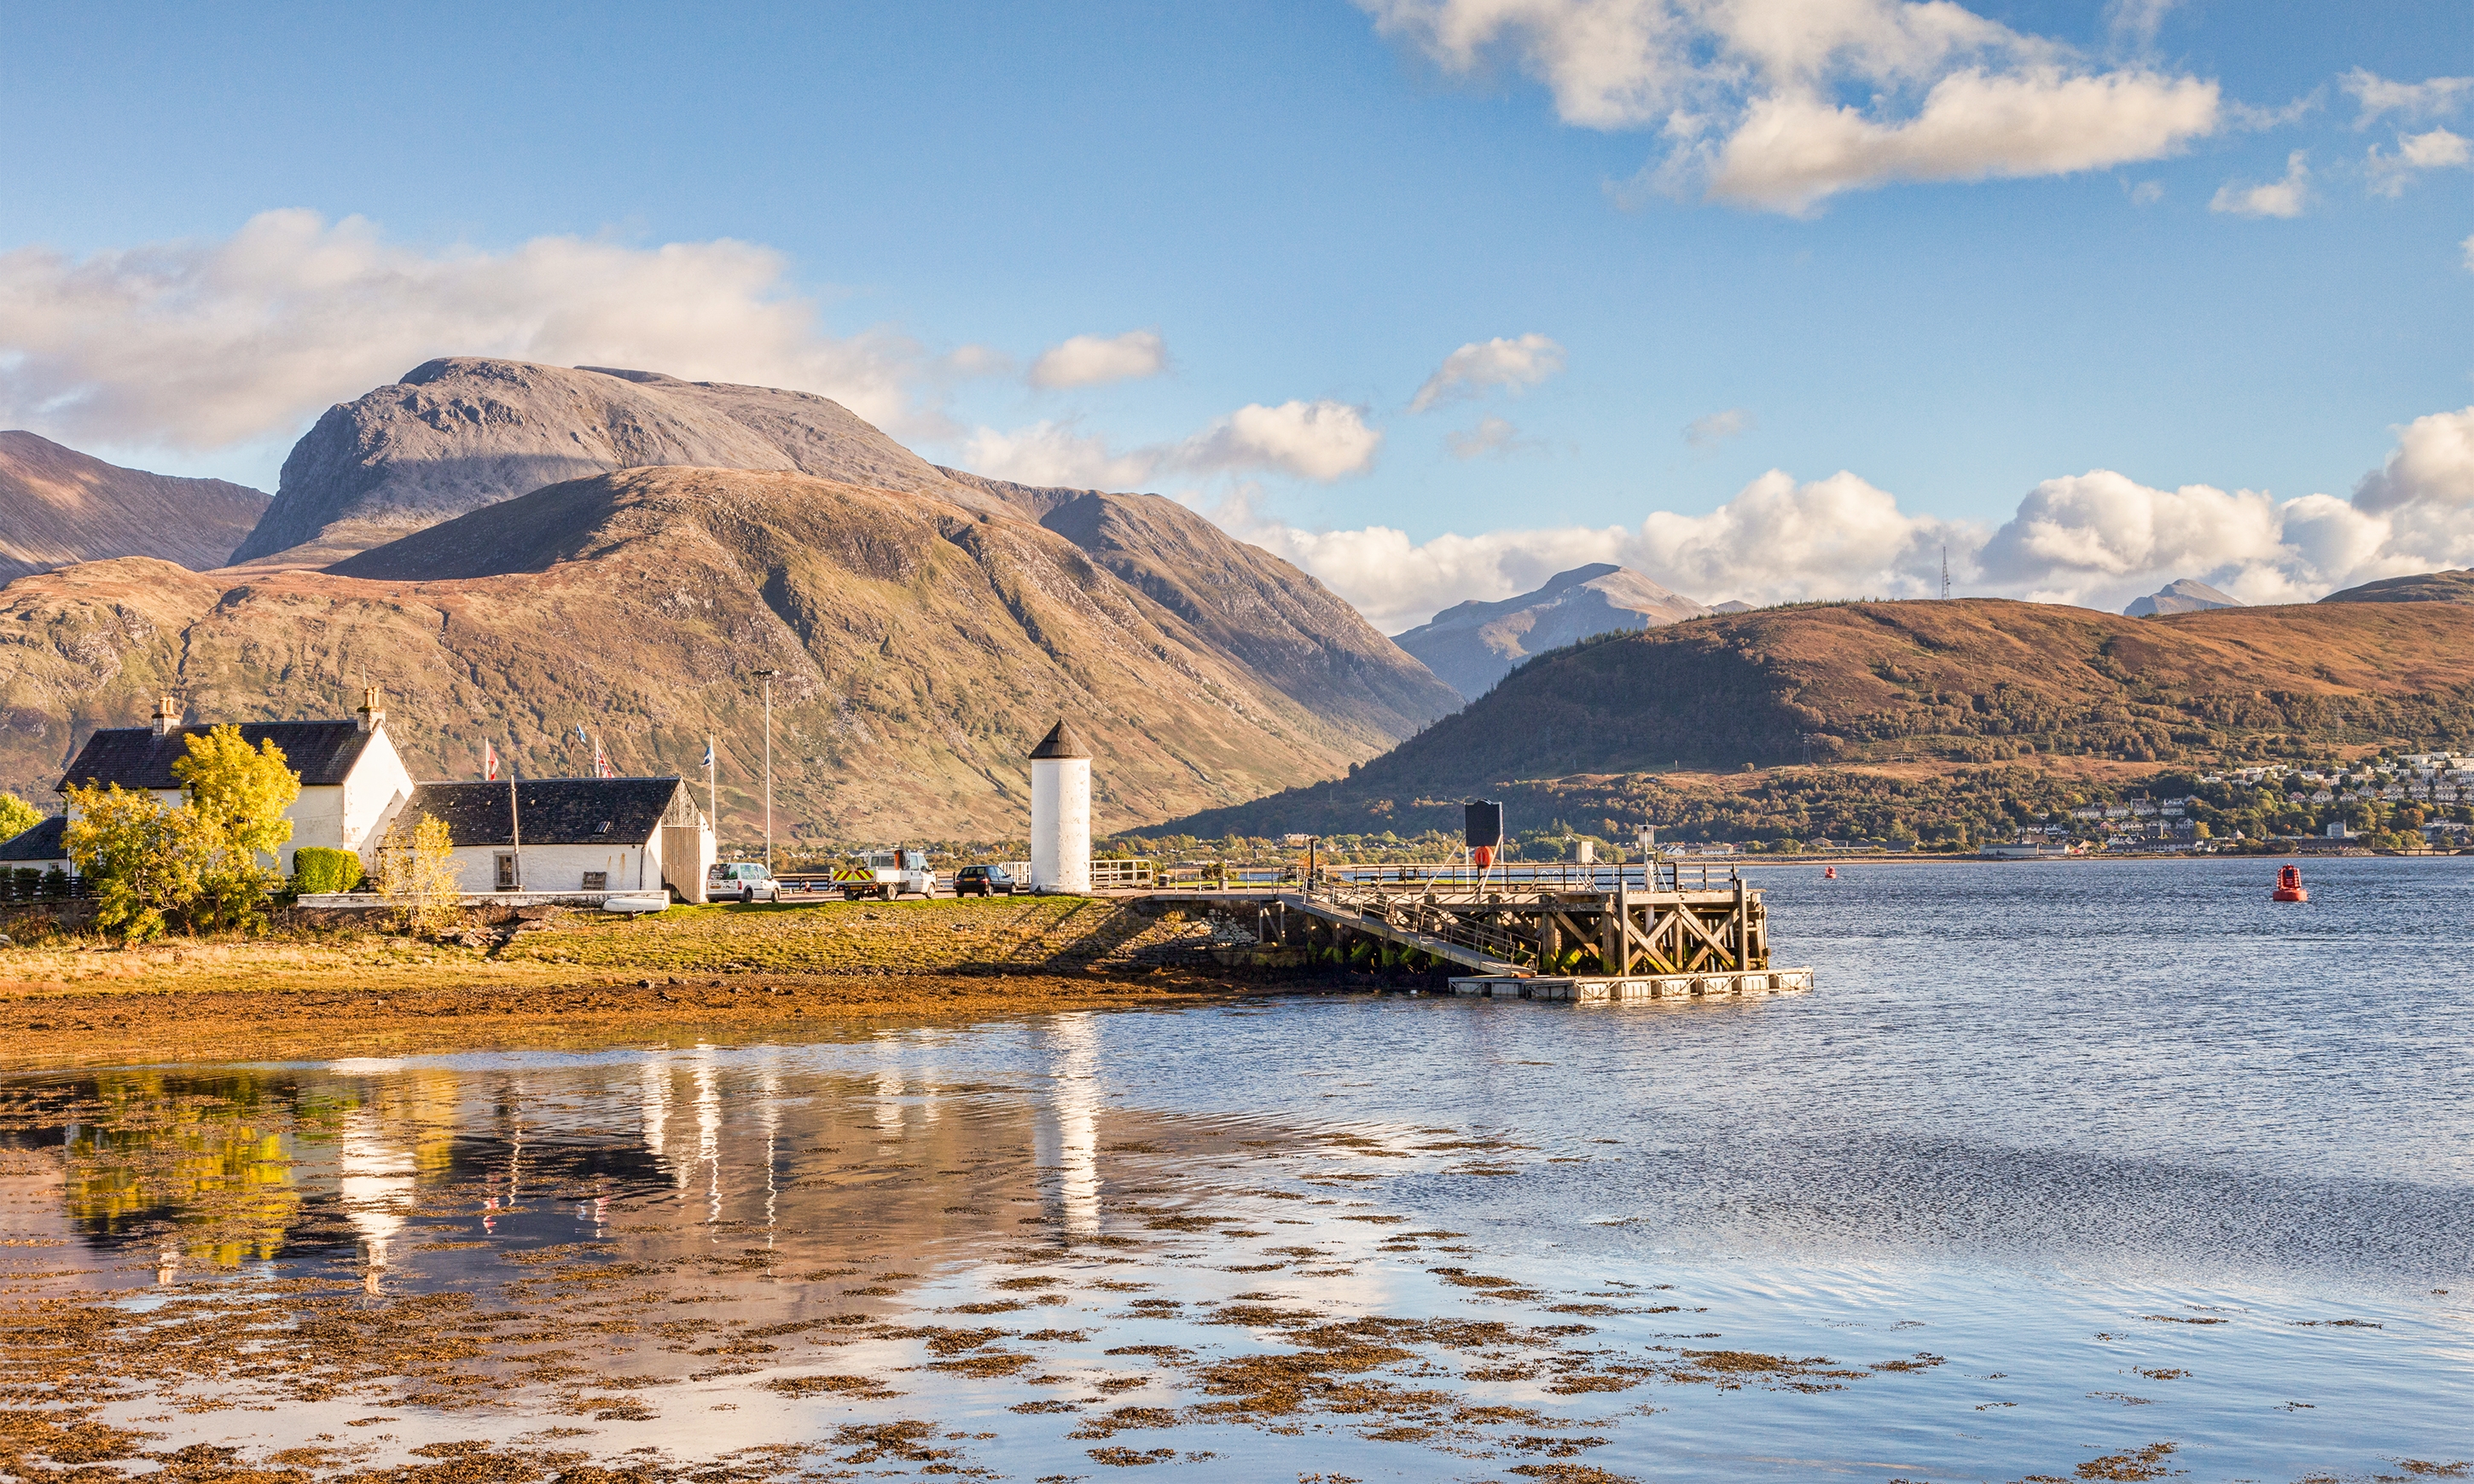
(1068, 1147)
(1061, 813)
(375, 1182)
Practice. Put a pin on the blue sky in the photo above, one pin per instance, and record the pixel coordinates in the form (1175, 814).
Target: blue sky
(1312, 205)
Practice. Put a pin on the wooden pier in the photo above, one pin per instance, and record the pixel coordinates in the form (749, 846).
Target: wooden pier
(1535, 937)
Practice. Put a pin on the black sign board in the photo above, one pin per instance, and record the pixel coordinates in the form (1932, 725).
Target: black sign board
(1485, 823)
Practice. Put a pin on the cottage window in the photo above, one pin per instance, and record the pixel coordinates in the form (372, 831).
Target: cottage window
(596, 881)
(506, 872)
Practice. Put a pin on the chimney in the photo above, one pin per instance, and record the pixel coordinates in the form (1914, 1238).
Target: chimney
(168, 714)
(372, 714)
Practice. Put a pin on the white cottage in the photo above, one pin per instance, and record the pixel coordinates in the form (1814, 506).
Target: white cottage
(352, 778)
(570, 834)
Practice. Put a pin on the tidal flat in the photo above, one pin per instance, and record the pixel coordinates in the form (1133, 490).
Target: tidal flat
(2098, 1173)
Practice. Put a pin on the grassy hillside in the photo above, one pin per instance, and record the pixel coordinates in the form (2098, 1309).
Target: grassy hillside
(923, 646)
(1905, 704)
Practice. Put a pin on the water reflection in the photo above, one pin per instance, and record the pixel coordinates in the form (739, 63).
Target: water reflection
(2017, 1229)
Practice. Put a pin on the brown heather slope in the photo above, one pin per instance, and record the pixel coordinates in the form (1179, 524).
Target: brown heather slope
(2453, 586)
(461, 434)
(59, 505)
(924, 647)
(1953, 683)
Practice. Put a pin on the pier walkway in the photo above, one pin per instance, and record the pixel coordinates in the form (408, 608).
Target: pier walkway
(1581, 933)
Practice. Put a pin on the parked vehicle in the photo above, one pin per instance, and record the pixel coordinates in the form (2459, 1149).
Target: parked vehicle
(745, 880)
(886, 875)
(982, 881)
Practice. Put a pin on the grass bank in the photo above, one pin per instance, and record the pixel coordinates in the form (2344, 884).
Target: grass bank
(582, 979)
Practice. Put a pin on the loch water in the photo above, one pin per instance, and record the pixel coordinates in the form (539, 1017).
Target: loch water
(2065, 1170)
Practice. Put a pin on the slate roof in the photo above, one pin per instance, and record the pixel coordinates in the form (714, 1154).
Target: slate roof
(322, 752)
(553, 811)
(40, 843)
(1060, 742)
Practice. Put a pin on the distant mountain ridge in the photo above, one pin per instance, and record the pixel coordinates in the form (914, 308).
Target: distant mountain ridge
(1472, 645)
(2455, 586)
(1967, 681)
(922, 646)
(462, 431)
(59, 507)
(928, 625)
(2181, 595)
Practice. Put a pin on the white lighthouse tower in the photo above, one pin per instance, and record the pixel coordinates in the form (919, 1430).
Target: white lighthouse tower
(1061, 813)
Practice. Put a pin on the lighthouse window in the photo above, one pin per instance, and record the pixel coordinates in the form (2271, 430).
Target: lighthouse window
(596, 881)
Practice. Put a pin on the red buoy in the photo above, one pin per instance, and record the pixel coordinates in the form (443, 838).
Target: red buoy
(1830, 874)
(2288, 886)
(1484, 855)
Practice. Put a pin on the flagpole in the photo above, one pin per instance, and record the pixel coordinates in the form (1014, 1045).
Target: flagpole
(515, 827)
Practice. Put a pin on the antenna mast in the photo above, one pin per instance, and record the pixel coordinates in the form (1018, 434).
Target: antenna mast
(1945, 572)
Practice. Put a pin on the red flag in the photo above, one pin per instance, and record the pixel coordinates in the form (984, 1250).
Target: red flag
(489, 763)
(601, 761)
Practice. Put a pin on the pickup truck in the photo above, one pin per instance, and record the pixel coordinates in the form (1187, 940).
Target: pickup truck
(886, 875)
(745, 880)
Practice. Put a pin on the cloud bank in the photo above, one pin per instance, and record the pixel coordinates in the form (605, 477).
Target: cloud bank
(1779, 104)
(2097, 540)
(1320, 441)
(199, 345)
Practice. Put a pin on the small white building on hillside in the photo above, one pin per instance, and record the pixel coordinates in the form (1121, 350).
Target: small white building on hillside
(569, 834)
(352, 780)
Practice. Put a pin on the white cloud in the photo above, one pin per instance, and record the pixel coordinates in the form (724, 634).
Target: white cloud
(1321, 440)
(1092, 360)
(197, 344)
(2433, 98)
(1717, 428)
(1052, 454)
(2286, 197)
(1493, 435)
(977, 361)
(2438, 150)
(1793, 152)
(2096, 539)
(1776, 540)
(2146, 193)
(1782, 104)
(1486, 364)
(2136, 21)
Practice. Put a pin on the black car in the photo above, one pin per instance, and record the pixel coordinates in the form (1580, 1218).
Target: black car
(982, 881)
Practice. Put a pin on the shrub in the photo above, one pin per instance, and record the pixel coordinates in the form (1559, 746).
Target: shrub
(315, 868)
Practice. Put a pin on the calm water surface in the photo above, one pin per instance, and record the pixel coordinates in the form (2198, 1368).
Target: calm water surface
(2084, 1170)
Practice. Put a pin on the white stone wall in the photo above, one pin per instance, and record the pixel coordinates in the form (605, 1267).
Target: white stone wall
(632, 867)
(374, 790)
(1060, 824)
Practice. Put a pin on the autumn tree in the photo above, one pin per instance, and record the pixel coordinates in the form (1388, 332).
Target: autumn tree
(145, 859)
(239, 795)
(17, 816)
(418, 874)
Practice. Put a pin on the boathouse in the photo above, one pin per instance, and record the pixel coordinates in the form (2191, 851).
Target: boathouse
(569, 835)
(352, 778)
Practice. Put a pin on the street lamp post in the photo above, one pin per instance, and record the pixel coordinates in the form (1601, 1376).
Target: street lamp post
(766, 676)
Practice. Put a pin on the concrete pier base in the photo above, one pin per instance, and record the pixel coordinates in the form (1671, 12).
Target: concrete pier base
(1719, 986)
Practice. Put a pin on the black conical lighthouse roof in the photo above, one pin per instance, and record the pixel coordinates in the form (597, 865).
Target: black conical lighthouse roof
(1060, 742)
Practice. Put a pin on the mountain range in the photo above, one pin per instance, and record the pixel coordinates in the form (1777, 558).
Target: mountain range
(514, 551)
(1910, 690)
(59, 505)
(2181, 595)
(1472, 645)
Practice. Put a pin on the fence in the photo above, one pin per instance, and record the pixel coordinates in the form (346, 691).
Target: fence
(26, 884)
